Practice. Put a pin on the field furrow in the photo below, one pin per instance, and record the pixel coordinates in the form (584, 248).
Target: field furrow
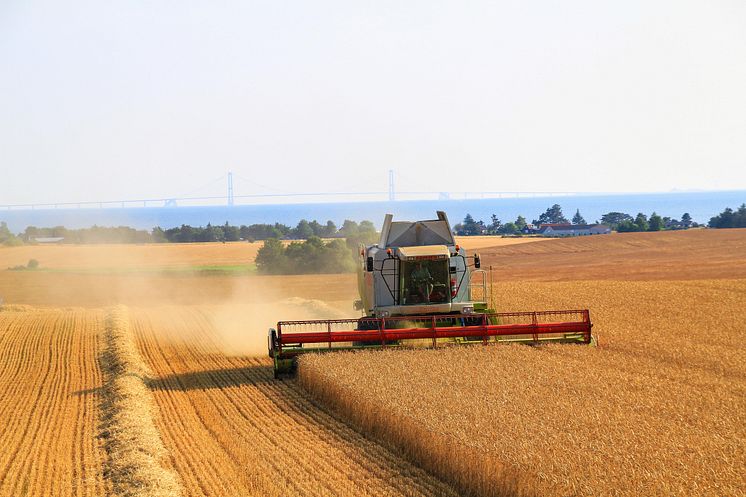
(48, 383)
(233, 430)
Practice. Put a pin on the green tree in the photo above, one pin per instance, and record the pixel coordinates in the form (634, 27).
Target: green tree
(355, 234)
(655, 223)
(470, 227)
(494, 226)
(366, 227)
(303, 231)
(330, 229)
(509, 229)
(305, 257)
(271, 258)
(578, 218)
(641, 221)
(209, 233)
(627, 226)
(6, 237)
(686, 220)
(317, 228)
(157, 235)
(264, 231)
(614, 219)
(553, 215)
(520, 223)
(231, 233)
(730, 218)
(349, 228)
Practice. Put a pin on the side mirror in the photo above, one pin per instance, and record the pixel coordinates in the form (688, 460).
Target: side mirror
(369, 264)
(477, 261)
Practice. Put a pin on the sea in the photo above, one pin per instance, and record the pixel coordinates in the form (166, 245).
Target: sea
(700, 205)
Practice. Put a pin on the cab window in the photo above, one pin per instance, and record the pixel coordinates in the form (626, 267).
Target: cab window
(424, 282)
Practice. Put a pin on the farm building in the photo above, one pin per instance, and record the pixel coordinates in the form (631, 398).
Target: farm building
(573, 229)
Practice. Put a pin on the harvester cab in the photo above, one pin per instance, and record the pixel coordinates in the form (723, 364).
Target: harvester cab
(417, 268)
(418, 287)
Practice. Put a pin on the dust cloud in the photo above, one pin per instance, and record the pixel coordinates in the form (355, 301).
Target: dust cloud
(242, 320)
(243, 328)
(238, 309)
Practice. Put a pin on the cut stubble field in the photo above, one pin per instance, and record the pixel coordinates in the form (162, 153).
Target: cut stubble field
(231, 429)
(49, 381)
(657, 408)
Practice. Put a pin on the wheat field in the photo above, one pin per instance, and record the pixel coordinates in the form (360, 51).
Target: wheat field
(231, 429)
(155, 383)
(659, 408)
(49, 393)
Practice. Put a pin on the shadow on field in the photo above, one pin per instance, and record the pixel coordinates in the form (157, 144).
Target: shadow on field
(213, 378)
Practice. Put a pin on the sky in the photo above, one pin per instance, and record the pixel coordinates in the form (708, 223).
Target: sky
(141, 99)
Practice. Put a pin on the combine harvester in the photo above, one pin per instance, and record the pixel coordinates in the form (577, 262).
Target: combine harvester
(419, 288)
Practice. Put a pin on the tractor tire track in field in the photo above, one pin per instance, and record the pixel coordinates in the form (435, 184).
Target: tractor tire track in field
(231, 429)
(48, 395)
(131, 438)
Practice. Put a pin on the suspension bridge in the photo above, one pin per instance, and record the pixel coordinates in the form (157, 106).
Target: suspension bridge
(230, 198)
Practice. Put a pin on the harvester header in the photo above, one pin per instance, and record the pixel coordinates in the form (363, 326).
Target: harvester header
(419, 288)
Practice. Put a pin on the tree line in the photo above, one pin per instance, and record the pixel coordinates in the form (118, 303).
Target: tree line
(189, 234)
(729, 218)
(619, 221)
(94, 234)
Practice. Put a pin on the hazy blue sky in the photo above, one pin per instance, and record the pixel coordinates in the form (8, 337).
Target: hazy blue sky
(128, 99)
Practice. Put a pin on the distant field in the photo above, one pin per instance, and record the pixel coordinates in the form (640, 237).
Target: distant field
(666, 255)
(173, 256)
(131, 256)
(694, 254)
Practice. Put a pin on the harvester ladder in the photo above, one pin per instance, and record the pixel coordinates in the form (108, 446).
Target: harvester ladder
(478, 289)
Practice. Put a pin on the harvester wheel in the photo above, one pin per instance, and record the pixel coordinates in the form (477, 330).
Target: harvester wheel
(272, 342)
(472, 321)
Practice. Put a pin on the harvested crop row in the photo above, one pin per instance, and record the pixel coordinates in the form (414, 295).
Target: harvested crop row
(658, 409)
(131, 439)
(233, 430)
(49, 377)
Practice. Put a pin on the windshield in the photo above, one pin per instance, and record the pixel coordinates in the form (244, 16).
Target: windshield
(424, 282)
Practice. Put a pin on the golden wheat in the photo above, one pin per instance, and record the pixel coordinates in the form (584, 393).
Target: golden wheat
(232, 429)
(658, 409)
(49, 379)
